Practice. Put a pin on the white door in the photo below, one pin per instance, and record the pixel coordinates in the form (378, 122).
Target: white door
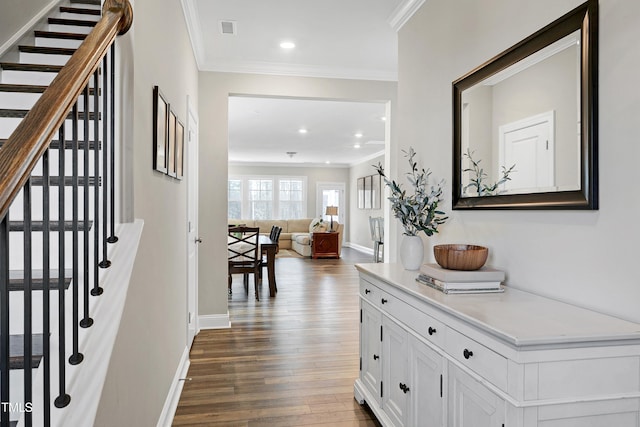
(396, 384)
(428, 391)
(529, 144)
(471, 404)
(330, 194)
(192, 225)
(370, 348)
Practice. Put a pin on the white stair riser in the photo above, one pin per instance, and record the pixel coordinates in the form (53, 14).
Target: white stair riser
(8, 125)
(16, 211)
(26, 101)
(79, 16)
(16, 392)
(69, 28)
(16, 244)
(50, 42)
(41, 58)
(26, 77)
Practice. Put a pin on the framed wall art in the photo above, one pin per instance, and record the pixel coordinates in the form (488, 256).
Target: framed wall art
(367, 191)
(179, 149)
(171, 147)
(361, 193)
(160, 131)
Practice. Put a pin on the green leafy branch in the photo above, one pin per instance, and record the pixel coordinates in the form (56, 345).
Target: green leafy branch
(478, 175)
(418, 211)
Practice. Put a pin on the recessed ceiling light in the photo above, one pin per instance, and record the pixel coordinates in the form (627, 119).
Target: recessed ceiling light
(383, 118)
(327, 162)
(358, 135)
(302, 130)
(287, 45)
(356, 146)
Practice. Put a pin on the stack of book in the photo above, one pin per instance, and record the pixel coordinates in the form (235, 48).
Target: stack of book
(484, 280)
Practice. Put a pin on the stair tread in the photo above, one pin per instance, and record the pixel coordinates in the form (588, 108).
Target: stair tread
(91, 2)
(47, 50)
(22, 88)
(68, 180)
(59, 35)
(74, 22)
(80, 10)
(15, 66)
(16, 279)
(21, 113)
(16, 351)
(68, 144)
(53, 225)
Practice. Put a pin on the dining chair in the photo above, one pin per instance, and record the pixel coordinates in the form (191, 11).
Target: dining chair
(242, 249)
(377, 235)
(275, 236)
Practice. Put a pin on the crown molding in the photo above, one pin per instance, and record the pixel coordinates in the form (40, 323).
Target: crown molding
(298, 70)
(190, 10)
(291, 165)
(368, 158)
(403, 13)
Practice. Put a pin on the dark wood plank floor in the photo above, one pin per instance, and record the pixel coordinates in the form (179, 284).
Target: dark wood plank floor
(286, 361)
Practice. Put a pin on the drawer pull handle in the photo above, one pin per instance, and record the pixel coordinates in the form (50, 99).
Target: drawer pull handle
(376, 357)
(404, 388)
(467, 353)
(367, 291)
(384, 301)
(431, 331)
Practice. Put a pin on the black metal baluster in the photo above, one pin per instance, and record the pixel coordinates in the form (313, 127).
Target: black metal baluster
(96, 187)
(76, 357)
(112, 119)
(4, 319)
(105, 263)
(63, 398)
(46, 267)
(86, 320)
(28, 287)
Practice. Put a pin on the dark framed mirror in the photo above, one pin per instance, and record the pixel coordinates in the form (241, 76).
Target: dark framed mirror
(525, 123)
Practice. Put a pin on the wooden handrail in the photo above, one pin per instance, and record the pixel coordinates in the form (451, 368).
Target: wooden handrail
(27, 144)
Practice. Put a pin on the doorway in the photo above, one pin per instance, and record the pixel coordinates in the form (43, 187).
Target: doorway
(192, 224)
(330, 194)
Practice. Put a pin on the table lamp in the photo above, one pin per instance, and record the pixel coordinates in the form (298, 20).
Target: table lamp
(331, 211)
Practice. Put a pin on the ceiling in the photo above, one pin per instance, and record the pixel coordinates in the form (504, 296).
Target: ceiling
(354, 39)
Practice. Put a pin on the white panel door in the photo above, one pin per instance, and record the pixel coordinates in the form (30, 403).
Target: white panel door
(192, 225)
(396, 385)
(428, 400)
(471, 404)
(529, 144)
(370, 348)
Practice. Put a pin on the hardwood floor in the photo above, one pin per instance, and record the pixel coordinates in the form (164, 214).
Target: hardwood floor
(286, 361)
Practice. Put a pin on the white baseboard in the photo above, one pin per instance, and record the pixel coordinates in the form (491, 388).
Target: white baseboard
(28, 26)
(171, 403)
(214, 321)
(360, 248)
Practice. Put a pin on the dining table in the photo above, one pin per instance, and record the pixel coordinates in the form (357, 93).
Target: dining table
(269, 248)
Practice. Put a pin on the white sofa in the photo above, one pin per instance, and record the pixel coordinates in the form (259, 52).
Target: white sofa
(296, 233)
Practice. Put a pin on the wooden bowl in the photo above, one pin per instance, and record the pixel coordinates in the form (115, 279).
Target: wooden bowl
(460, 257)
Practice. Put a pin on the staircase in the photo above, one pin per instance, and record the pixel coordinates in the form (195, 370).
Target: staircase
(53, 240)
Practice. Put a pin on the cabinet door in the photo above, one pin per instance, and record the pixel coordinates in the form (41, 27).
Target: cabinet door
(471, 404)
(396, 389)
(427, 388)
(370, 348)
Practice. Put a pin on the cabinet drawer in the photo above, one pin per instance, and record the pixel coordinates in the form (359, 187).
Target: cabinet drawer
(423, 324)
(370, 293)
(480, 359)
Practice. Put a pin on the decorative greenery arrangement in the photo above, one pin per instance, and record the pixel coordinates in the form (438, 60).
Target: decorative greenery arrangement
(478, 175)
(419, 211)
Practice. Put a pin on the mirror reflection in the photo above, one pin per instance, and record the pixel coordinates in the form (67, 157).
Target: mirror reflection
(520, 127)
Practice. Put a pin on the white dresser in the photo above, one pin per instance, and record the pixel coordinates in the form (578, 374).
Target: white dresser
(509, 359)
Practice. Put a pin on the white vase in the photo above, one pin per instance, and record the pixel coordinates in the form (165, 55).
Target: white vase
(411, 252)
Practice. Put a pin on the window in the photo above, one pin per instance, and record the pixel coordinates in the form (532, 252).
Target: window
(267, 197)
(235, 199)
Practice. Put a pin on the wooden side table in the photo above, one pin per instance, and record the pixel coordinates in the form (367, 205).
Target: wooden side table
(325, 245)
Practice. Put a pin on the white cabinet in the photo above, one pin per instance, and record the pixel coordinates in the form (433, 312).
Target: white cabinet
(494, 360)
(471, 404)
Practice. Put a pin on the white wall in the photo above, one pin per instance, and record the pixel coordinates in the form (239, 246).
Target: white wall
(215, 89)
(152, 335)
(359, 231)
(587, 257)
(15, 14)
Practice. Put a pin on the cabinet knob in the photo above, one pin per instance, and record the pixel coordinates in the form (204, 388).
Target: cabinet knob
(367, 291)
(467, 353)
(376, 357)
(431, 331)
(404, 388)
(384, 301)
